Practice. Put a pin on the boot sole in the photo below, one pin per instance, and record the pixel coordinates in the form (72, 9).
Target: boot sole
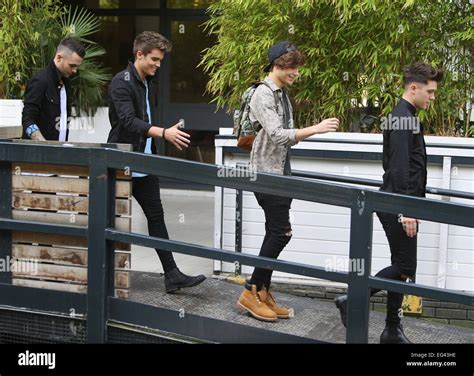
(177, 288)
(282, 316)
(255, 315)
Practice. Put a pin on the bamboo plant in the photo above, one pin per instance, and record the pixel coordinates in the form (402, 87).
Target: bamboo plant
(356, 51)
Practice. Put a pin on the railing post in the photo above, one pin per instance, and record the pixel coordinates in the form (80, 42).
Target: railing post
(360, 257)
(6, 212)
(238, 227)
(100, 264)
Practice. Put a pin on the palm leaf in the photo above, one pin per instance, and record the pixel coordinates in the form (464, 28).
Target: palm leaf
(80, 23)
(89, 84)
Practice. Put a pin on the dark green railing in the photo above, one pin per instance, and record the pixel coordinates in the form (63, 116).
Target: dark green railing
(100, 305)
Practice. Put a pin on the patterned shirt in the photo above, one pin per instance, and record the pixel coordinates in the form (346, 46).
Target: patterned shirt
(270, 150)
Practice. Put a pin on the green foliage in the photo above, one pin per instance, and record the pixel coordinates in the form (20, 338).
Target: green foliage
(26, 26)
(30, 32)
(90, 82)
(356, 50)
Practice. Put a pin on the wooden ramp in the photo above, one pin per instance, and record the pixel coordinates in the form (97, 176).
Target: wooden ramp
(314, 319)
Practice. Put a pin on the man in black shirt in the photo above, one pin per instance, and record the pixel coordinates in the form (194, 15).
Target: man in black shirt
(404, 163)
(47, 104)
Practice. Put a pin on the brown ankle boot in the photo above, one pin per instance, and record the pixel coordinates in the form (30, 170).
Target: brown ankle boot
(281, 312)
(250, 301)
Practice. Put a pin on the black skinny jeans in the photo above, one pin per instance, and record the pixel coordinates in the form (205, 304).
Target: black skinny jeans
(277, 233)
(403, 257)
(146, 191)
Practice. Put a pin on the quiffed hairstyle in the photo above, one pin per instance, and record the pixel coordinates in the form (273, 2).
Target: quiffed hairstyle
(421, 73)
(148, 40)
(292, 59)
(71, 45)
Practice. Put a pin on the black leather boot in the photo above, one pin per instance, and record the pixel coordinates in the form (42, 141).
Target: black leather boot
(341, 303)
(175, 280)
(393, 333)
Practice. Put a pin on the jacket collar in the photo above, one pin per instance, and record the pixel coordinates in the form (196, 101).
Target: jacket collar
(133, 70)
(270, 83)
(404, 103)
(56, 75)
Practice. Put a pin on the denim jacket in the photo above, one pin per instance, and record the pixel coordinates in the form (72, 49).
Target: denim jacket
(270, 148)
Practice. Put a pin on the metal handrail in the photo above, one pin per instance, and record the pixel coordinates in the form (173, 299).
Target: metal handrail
(101, 234)
(378, 183)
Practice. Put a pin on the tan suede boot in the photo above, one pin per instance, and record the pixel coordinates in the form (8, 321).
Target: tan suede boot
(250, 301)
(281, 312)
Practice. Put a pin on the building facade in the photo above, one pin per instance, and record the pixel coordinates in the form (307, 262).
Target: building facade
(182, 83)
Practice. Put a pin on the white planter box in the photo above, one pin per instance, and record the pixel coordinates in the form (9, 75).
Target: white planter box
(321, 232)
(91, 129)
(81, 129)
(10, 118)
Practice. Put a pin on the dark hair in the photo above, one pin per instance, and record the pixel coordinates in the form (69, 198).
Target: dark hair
(292, 59)
(148, 40)
(72, 45)
(421, 73)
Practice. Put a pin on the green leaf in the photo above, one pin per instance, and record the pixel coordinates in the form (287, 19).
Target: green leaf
(365, 38)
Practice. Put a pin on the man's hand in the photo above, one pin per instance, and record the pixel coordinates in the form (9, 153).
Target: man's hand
(410, 226)
(178, 138)
(327, 125)
(37, 136)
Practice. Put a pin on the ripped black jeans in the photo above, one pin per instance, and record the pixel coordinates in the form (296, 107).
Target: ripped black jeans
(277, 233)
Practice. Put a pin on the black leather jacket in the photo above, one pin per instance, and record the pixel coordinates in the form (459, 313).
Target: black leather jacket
(41, 105)
(127, 109)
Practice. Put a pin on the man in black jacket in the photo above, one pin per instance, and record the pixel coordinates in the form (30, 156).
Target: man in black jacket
(404, 163)
(133, 117)
(47, 104)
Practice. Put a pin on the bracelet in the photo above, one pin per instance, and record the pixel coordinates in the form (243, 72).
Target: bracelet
(31, 129)
(163, 134)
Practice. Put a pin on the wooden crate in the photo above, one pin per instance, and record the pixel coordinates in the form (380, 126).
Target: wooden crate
(59, 194)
